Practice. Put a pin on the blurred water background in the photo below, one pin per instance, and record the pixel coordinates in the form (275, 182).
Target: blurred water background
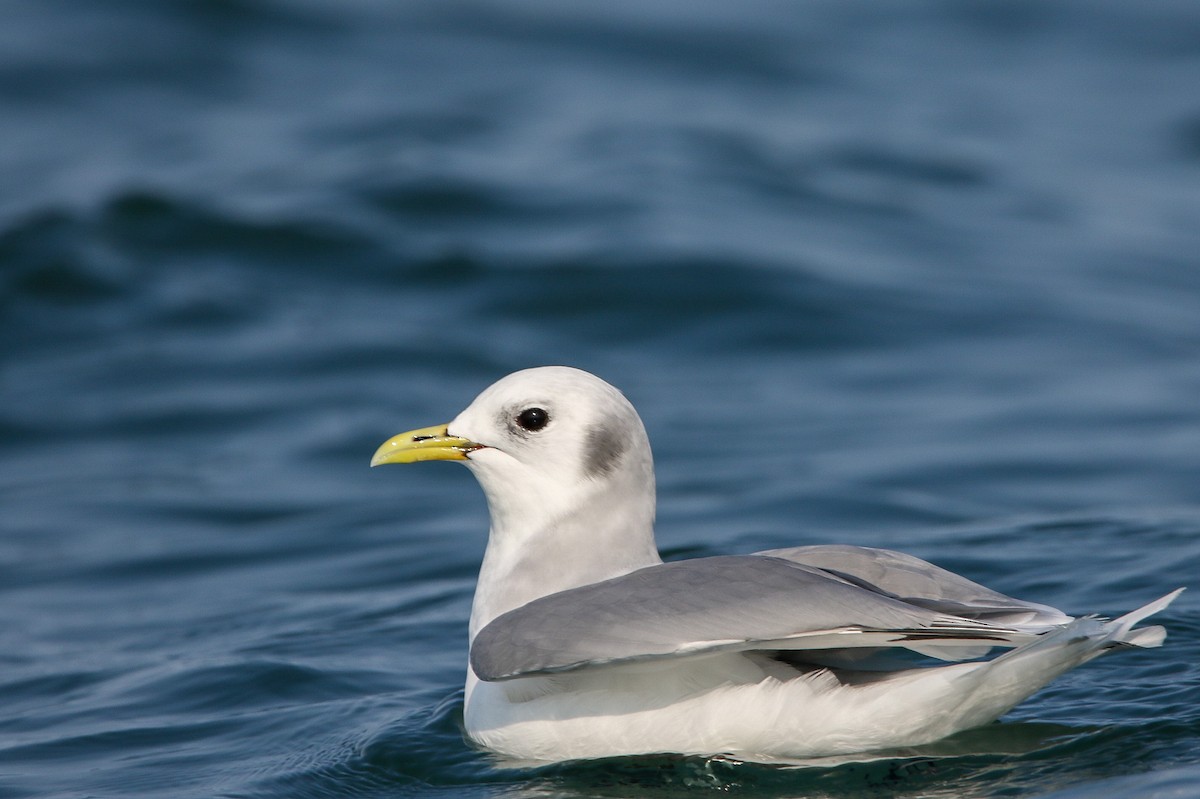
(920, 275)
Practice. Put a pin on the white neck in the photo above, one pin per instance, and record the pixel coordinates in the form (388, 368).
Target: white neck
(535, 549)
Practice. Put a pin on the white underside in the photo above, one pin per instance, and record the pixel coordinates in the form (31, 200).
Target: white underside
(756, 709)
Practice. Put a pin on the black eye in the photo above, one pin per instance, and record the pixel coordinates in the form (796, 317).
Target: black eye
(532, 419)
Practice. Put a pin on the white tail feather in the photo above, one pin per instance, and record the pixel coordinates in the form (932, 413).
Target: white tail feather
(1122, 632)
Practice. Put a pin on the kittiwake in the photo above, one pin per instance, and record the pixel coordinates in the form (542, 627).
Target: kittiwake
(585, 644)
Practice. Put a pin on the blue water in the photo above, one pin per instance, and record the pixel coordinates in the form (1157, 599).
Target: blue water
(917, 275)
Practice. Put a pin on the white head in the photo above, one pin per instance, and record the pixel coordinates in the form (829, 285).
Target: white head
(565, 463)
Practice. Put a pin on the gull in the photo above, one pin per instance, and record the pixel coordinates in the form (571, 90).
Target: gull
(585, 644)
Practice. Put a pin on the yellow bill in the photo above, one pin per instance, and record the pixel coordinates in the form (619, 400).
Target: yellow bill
(427, 444)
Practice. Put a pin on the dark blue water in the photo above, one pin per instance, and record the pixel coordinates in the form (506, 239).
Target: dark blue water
(923, 276)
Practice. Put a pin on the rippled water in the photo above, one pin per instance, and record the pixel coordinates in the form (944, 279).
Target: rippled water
(921, 276)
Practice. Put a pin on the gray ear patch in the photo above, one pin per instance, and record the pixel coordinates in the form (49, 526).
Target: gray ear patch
(603, 451)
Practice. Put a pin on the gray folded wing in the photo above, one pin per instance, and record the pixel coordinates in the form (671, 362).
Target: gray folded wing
(920, 583)
(706, 605)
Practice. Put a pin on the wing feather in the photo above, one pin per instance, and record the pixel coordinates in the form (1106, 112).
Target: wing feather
(918, 582)
(707, 605)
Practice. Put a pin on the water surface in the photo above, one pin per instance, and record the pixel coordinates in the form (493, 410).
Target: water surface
(921, 276)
